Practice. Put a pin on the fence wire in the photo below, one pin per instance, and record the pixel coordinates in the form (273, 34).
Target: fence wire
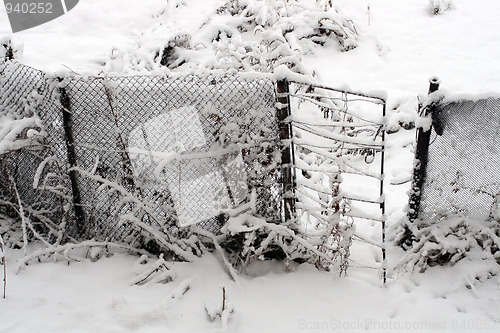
(171, 152)
(463, 168)
(189, 147)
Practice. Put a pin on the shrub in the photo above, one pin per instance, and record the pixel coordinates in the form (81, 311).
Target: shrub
(438, 7)
(448, 241)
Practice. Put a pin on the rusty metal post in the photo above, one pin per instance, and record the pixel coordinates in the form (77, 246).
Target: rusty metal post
(421, 157)
(70, 146)
(285, 129)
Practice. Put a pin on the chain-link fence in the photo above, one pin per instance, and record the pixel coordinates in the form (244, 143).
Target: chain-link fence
(189, 148)
(21, 89)
(462, 167)
(121, 155)
(171, 152)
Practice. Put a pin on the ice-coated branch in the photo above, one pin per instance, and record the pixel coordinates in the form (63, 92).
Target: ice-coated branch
(65, 251)
(213, 239)
(164, 239)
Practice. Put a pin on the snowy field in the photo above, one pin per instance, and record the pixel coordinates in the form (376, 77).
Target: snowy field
(400, 46)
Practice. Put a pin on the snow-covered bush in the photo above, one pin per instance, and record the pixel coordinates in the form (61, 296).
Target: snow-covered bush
(9, 50)
(248, 238)
(447, 241)
(282, 31)
(438, 7)
(6, 50)
(250, 235)
(242, 35)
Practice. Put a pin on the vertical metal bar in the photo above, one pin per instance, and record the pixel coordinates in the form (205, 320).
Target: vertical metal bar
(70, 146)
(285, 127)
(421, 157)
(382, 204)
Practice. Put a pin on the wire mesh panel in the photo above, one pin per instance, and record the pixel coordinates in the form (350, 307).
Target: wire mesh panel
(463, 168)
(20, 86)
(188, 147)
(22, 90)
(167, 133)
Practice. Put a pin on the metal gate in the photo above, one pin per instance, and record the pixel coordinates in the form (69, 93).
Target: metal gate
(338, 157)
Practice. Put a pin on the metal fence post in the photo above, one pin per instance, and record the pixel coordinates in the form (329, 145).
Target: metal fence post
(70, 146)
(285, 129)
(382, 204)
(421, 156)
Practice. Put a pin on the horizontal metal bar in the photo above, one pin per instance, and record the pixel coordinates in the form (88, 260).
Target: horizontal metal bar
(379, 201)
(381, 219)
(338, 90)
(293, 120)
(339, 137)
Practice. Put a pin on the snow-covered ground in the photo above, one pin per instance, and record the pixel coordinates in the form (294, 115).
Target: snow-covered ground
(401, 45)
(99, 296)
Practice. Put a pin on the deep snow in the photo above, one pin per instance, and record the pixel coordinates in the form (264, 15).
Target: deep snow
(85, 297)
(400, 47)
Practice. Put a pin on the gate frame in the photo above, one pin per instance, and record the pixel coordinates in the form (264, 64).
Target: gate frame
(284, 110)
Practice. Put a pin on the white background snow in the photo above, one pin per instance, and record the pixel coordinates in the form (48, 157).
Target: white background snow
(401, 45)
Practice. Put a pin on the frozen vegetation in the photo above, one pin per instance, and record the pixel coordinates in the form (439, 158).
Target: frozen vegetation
(446, 280)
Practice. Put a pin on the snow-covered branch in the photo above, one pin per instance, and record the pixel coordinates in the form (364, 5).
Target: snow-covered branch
(67, 250)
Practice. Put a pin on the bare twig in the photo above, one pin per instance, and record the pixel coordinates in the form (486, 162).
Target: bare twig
(3, 262)
(24, 219)
(223, 299)
(156, 272)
